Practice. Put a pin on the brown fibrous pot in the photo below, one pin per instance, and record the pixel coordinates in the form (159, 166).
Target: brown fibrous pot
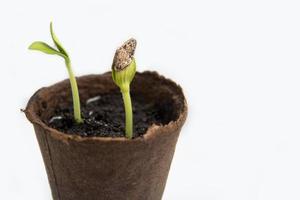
(96, 168)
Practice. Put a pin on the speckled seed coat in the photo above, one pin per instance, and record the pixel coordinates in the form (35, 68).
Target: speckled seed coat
(124, 55)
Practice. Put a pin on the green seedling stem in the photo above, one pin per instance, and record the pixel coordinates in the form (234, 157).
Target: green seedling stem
(75, 93)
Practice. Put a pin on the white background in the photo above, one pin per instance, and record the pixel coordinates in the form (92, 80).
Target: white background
(238, 62)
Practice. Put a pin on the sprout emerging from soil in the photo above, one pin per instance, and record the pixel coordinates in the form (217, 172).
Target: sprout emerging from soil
(123, 71)
(60, 51)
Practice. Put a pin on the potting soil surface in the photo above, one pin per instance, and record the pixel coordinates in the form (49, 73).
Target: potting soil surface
(104, 116)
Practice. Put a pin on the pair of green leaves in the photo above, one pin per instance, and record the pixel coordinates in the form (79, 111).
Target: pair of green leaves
(45, 48)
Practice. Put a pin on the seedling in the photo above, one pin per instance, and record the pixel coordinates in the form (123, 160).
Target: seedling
(60, 51)
(123, 71)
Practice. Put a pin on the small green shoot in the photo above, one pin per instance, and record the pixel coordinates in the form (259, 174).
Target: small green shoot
(123, 71)
(60, 51)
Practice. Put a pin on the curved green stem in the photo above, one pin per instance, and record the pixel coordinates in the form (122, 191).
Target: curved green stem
(128, 113)
(75, 93)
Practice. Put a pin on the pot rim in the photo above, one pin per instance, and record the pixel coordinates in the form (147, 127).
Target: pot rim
(151, 132)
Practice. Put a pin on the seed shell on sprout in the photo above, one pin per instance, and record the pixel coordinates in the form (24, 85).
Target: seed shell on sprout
(124, 55)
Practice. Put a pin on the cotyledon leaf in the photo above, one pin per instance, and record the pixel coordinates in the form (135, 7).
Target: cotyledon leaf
(45, 48)
(56, 42)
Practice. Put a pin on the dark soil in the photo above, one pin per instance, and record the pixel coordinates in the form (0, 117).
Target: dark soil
(104, 116)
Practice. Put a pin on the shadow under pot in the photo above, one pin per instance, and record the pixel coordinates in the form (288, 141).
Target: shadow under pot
(94, 160)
